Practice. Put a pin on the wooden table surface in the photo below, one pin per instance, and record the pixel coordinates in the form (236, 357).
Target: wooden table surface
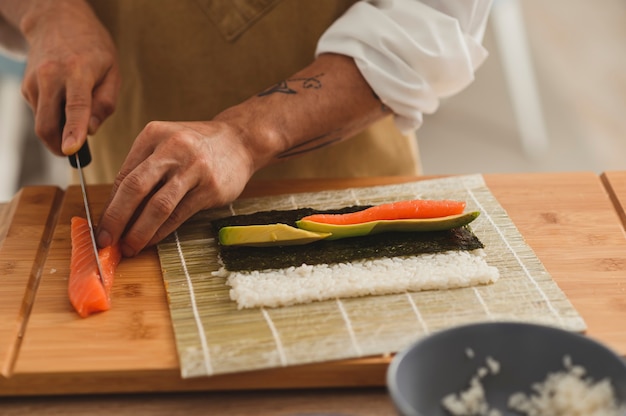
(571, 220)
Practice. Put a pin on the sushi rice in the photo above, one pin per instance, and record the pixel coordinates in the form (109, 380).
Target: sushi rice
(306, 283)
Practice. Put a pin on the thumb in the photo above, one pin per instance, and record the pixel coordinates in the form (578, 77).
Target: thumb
(77, 110)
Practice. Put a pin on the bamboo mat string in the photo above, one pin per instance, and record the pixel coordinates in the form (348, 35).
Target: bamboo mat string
(279, 343)
(483, 304)
(355, 197)
(416, 310)
(351, 333)
(194, 307)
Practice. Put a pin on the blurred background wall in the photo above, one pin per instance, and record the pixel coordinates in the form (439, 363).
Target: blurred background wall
(578, 60)
(551, 97)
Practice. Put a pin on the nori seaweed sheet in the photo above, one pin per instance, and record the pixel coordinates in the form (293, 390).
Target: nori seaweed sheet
(242, 258)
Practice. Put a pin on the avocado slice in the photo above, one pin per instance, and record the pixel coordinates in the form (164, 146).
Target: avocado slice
(375, 227)
(267, 235)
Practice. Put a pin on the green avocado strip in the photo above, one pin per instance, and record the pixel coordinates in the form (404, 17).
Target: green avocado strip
(263, 235)
(383, 226)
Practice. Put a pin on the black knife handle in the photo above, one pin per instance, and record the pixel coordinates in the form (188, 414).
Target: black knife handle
(83, 153)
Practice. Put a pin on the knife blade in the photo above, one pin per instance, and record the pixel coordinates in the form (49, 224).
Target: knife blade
(83, 188)
(78, 161)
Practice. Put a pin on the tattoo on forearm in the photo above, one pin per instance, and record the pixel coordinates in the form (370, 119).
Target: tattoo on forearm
(287, 86)
(282, 87)
(310, 145)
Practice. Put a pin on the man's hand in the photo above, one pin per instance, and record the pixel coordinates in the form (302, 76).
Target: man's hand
(71, 67)
(173, 171)
(176, 169)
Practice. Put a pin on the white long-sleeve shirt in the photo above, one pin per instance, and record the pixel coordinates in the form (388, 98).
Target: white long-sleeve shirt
(412, 53)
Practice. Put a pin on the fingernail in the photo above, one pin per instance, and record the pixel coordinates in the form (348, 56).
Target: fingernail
(70, 145)
(94, 123)
(104, 239)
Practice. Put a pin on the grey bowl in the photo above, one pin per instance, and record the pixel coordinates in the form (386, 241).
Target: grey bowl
(421, 375)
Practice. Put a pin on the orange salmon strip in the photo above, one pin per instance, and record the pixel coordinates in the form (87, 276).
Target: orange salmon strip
(401, 210)
(86, 293)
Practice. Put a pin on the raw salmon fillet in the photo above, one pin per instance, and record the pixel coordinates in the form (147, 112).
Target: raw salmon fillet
(86, 292)
(400, 210)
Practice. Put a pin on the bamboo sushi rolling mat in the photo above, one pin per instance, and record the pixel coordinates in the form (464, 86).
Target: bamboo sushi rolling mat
(214, 337)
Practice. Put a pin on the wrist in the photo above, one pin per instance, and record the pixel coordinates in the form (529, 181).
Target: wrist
(28, 14)
(256, 131)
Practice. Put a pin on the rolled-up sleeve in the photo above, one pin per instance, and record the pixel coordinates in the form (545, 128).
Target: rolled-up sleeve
(412, 53)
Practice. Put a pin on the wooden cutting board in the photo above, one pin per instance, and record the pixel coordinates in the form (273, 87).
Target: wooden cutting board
(615, 184)
(131, 348)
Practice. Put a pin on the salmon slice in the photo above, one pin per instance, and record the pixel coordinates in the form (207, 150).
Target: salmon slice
(87, 295)
(401, 210)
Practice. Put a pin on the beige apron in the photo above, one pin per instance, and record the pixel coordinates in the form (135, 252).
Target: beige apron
(191, 59)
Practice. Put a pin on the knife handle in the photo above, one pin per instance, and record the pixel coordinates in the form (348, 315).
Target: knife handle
(84, 154)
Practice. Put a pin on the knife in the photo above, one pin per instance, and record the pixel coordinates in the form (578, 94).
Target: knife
(78, 161)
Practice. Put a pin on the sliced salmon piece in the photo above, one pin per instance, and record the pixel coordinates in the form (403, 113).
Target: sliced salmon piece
(86, 292)
(401, 210)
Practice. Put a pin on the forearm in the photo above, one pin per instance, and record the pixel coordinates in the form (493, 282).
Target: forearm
(324, 103)
(12, 11)
(24, 14)
(12, 40)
